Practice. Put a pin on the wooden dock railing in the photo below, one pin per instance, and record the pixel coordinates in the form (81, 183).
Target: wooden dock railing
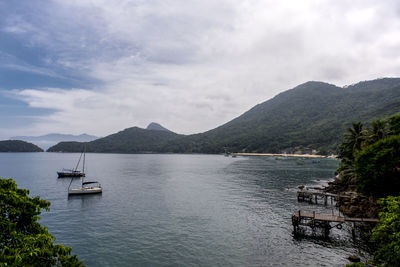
(325, 221)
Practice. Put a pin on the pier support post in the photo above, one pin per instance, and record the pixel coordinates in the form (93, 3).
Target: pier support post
(295, 222)
(326, 230)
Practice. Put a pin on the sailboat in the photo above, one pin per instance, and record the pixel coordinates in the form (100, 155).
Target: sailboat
(93, 187)
(86, 188)
(73, 172)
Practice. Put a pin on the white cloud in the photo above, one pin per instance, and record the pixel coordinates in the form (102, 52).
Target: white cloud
(193, 65)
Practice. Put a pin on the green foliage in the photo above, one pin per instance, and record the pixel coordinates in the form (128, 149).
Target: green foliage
(378, 168)
(379, 130)
(18, 146)
(353, 141)
(351, 146)
(371, 157)
(386, 233)
(395, 124)
(23, 241)
(368, 158)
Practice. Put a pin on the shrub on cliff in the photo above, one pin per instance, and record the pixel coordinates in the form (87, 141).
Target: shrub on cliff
(23, 241)
(386, 233)
(378, 168)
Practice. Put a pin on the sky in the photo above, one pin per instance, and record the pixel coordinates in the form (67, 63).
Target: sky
(98, 66)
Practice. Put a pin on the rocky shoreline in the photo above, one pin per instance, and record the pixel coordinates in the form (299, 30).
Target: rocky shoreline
(356, 205)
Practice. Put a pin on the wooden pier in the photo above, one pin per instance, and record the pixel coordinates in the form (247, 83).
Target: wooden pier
(325, 221)
(314, 196)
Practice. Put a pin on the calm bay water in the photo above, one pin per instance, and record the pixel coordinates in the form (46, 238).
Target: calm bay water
(181, 210)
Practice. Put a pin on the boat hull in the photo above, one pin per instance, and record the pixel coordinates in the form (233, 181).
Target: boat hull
(69, 174)
(85, 190)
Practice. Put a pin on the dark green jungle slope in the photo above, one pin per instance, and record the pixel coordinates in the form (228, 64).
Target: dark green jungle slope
(131, 140)
(313, 115)
(18, 146)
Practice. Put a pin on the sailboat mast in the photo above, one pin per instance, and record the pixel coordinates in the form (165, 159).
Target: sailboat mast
(77, 165)
(83, 165)
(84, 156)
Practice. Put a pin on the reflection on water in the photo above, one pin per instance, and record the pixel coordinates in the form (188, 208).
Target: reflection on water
(181, 209)
(85, 201)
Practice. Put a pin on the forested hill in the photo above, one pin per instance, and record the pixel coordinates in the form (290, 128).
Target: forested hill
(18, 146)
(312, 115)
(131, 140)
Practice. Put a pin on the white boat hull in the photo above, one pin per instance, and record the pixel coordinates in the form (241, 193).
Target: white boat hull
(85, 190)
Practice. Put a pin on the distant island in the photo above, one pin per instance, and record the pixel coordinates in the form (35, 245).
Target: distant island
(48, 140)
(309, 118)
(18, 146)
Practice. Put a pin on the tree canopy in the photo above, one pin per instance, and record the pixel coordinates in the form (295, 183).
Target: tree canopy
(370, 160)
(370, 157)
(23, 241)
(378, 168)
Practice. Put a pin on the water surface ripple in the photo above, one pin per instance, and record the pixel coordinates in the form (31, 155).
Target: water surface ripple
(181, 210)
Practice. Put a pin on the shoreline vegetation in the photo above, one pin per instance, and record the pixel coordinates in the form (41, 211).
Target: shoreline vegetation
(370, 172)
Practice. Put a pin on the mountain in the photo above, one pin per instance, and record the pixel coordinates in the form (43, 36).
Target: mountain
(18, 146)
(313, 115)
(48, 140)
(156, 127)
(131, 140)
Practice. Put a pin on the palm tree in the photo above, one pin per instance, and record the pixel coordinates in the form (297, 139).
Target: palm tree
(353, 141)
(379, 130)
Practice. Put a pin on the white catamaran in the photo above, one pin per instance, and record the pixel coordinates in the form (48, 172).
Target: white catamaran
(86, 187)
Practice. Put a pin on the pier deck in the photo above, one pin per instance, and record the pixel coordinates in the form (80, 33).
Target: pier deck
(324, 221)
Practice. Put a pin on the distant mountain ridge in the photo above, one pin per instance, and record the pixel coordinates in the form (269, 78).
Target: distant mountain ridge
(312, 115)
(48, 140)
(57, 137)
(130, 140)
(18, 146)
(157, 127)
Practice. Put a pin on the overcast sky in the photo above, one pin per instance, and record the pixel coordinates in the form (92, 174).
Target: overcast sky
(99, 66)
